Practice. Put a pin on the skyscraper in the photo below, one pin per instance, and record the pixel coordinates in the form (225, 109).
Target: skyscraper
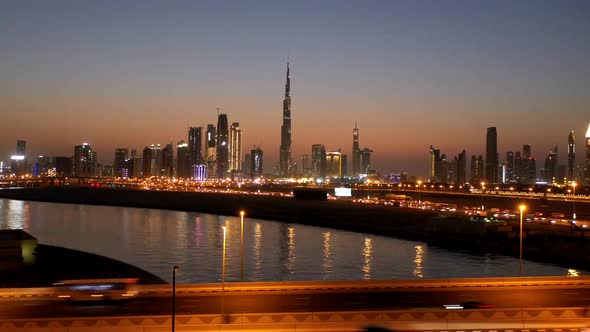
(235, 147)
(183, 160)
(334, 164)
(222, 146)
(356, 152)
(365, 160)
(19, 163)
(256, 162)
(461, 174)
(211, 145)
(435, 165)
(476, 169)
(285, 161)
(318, 161)
(509, 166)
(147, 162)
(491, 169)
(571, 156)
(84, 161)
(167, 161)
(551, 166)
(121, 155)
(194, 145)
(156, 160)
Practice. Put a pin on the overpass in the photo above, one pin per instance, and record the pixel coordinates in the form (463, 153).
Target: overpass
(529, 303)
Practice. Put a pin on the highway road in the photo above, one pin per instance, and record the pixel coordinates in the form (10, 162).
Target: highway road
(343, 300)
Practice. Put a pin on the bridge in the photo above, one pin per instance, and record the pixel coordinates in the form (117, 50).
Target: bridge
(520, 304)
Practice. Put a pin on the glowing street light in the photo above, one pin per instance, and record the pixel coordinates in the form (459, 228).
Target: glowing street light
(522, 207)
(223, 276)
(174, 269)
(483, 188)
(574, 184)
(419, 184)
(242, 245)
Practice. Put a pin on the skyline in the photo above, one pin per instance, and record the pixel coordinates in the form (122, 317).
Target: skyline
(157, 68)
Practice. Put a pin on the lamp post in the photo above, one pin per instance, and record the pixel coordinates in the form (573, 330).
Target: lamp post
(223, 276)
(522, 207)
(419, 184)
(242, 245)
(574, 184)
(483, 188)
(174, 269)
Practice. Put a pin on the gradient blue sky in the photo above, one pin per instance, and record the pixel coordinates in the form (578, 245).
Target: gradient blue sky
(412, 73)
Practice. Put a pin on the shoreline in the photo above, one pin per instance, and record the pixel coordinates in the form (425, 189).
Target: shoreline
(540, 243)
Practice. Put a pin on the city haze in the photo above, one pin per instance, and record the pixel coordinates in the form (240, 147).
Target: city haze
(412, 74)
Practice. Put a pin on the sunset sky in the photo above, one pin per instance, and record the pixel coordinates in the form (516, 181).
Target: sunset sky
(412, 73)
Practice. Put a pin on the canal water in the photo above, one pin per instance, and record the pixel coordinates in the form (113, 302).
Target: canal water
(156, 240)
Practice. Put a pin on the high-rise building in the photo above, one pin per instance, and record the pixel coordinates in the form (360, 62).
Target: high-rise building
(222, 146)
(318, 161)
(168, 161)
(356, 152)
(256, 159)
(571, 156)
(551, 166)
(235, 147)
(509, 166)
(528, 166)
(121, 154)
(147, 162)
(18, 160)
(285, 161)
(194, 145)
(211, 145)
(587, 170)
(334, 164)
(436, 165)
(246, 164)
(63, 166)
(84, 164)
(365, 161)
(183, 160)
(461, 166)
(156, 160)
(476, 169)
(305, 166)
(517, 163)
(491, 169)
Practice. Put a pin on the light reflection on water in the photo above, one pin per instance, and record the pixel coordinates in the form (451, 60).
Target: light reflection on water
(156, 240)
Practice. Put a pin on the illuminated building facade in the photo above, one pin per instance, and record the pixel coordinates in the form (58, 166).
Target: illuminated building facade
(476, 169)
(285, 159)
(18, 160)
(194, 145)
(183, 162)
(318, 161)
(84, 164)
(211, 145)
(119, 164)
(551, 166)
(587, 170)
(334, 164)
(256, 162)
(235, 147)
(167, 161)
(365, 160)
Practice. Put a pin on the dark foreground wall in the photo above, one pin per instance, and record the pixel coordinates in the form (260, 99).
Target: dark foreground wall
(542, 242)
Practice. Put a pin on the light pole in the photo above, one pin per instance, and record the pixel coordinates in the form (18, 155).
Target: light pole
(223, 276)
(242, 245)
(574, 184)
(483, 188)
(522, 207)
(174, 269)
(419, 184)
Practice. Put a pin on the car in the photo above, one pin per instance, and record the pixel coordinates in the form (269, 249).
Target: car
(469, 305)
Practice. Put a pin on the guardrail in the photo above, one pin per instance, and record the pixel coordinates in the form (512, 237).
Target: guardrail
(327, 286)
(525, 319)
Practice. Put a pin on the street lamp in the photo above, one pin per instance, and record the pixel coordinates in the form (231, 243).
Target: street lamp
(223, 276)
(242, 245)
(483, 188)
(522, 207)
(174, 269)
(574, 184)
(419, 184)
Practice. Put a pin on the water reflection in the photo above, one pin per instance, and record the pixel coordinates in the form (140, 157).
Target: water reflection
(367, 258)
(418, 261)
(327, 263)
(156, 240)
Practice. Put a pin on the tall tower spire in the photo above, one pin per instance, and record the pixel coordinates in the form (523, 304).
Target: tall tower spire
(356, 151)
(285, 162)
